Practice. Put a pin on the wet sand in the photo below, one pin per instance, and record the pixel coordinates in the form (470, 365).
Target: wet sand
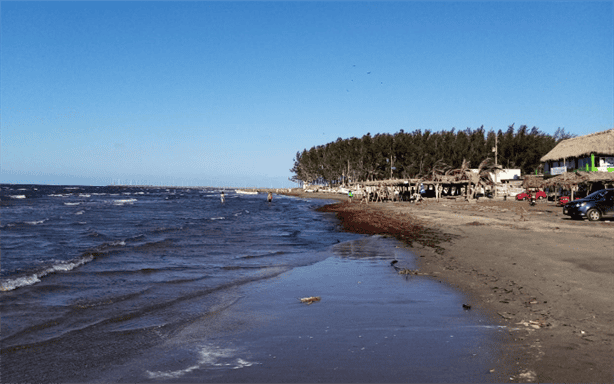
(528, 267)
(370, 325)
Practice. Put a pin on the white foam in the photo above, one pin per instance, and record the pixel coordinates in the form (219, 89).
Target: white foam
(80, 213)
(18, 196)
(36, 222)
(10, 284)
(58, 195)
(84, 195)
(218, 218)
(124, 201)
(209, 357)
(72, 203)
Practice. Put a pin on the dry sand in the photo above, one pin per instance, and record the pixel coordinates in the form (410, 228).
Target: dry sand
(531, 268)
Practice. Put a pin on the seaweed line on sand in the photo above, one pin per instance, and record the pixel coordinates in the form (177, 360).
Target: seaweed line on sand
(364, 219)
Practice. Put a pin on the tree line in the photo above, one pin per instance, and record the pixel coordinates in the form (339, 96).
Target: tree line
(414, 154)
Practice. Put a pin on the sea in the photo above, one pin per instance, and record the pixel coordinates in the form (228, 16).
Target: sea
(94, 277)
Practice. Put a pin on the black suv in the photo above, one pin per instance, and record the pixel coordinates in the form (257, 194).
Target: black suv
(594, 206)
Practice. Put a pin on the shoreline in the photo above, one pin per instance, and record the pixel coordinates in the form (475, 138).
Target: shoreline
(527, 267)
(348, 335)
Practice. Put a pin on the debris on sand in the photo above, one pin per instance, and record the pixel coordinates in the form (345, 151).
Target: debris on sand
(310, 300)
(407, 271)
(506, 315)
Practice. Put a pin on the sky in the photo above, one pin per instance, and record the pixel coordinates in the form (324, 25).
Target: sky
(224, 94)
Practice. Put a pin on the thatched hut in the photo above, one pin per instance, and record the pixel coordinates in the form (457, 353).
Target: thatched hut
(594, 152)
(533, 182)
(574, 181)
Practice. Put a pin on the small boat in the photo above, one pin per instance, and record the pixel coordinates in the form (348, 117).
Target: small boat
(246, 192)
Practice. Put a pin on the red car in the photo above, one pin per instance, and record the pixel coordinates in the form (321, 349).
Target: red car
(563, 200)
(526, 196)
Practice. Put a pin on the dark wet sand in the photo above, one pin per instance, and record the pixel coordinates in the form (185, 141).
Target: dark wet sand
(530, 267)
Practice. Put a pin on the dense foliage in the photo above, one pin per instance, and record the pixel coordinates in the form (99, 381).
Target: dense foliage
(409, 155)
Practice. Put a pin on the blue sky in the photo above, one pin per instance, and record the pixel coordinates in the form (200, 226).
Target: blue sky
(225, 93)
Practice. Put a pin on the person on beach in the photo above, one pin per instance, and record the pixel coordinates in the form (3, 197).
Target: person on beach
(363, 195)
(350, 195)
(269, 197)
(223, 198)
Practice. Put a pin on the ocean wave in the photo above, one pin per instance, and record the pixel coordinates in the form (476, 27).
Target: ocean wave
(36, 222)
(218, 218)
(124, 201)
(64, 266)
(59, 195)
(72, 203)
(18, 196)
(80, 213)
(84, 195)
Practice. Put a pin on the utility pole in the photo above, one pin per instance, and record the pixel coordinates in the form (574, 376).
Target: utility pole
(495, 150)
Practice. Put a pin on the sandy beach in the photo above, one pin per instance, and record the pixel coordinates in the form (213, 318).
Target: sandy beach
(527, 267)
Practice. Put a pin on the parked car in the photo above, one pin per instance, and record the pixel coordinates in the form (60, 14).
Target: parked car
(526, 196)
(594, 206)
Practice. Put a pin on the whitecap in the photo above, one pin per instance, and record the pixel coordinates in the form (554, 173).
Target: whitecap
(67, 266)
(36, 222)
(218, 218)
(58, 195)
(84, 195)
(10, 284)
(18, 196)
(63, 266)
(72, 203)
(80, 213)
(124, 201)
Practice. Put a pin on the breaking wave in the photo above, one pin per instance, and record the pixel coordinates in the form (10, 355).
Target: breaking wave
(14, 283)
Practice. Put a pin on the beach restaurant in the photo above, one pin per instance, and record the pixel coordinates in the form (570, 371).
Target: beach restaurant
(590, 153)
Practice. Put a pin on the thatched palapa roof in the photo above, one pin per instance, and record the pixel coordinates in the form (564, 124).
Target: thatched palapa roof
(569, 179)
(600, 142)
(531, 181)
